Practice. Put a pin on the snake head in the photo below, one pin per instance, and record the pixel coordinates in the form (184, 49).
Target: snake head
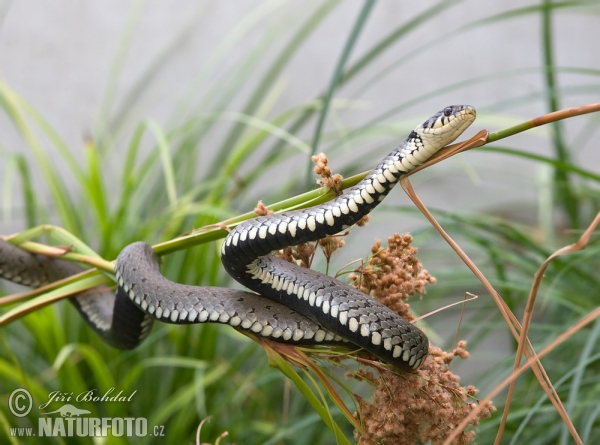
(446, 125)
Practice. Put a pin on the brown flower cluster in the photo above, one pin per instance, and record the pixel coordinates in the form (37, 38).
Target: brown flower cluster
(410, 408)
(302, 254)
(392, 274)
(406, 408)
(421, 407)
(261, 209)
(328, 180)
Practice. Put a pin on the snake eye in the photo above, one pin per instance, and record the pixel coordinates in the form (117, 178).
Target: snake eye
(447, 111)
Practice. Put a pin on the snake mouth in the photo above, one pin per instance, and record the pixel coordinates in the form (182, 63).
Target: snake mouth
(447, 124)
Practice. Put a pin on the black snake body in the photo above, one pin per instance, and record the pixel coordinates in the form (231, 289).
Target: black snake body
(304, 306)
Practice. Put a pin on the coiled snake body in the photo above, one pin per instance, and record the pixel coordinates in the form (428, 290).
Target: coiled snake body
(303, 306)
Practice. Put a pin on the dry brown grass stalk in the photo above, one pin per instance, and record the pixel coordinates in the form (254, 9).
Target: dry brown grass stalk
(509, 317)
(519, 332)
(411, 408)
(528, 312)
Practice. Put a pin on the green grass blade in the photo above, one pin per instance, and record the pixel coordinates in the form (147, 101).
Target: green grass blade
(17, 164)
(51, 297)
(94, 360)
(246, 25)
(95, 190)
(576, 385)
(393, 37)
(108, 98)
(158, 64)
(446, 39)
(314, 400)
(13, 106)
(546, 160)
(166, 160)
(337, 75)
(279, 64)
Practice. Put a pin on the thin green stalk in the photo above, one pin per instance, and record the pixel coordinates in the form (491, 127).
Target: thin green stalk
(13, 106)
(275, 70)
(543, 120)
(160, 61)
(337, 75)
(318, 196)
(108, 98)
(564, 188)
(580, 369)
(96, 191)
(165, 158)
(29, 196)
(362, 63)
(311, 397)
(391, 38)
(58, 235)
(535, 409)
(82, 283)
(557, 164)
(233, 37)
(214, 232)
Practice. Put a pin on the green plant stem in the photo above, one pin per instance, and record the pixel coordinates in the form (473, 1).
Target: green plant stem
(318, 196)
(543, 120)
(564, 190)
(558, 164)
(274, 71)
(311, 396)
(214, 232)
(335, 80)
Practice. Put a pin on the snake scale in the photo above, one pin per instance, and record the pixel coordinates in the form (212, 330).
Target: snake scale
(301, 305)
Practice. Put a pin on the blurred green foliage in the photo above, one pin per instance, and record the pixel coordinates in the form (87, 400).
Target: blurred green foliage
(153, 192)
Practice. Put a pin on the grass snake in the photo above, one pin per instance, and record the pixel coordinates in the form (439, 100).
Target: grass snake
(302, 305)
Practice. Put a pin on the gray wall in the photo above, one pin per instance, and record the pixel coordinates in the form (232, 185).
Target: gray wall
(58, 55)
